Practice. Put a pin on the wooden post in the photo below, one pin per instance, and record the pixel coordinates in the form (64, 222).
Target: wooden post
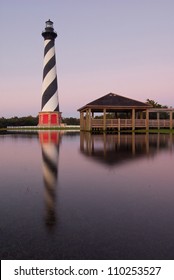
(171, 142)
(81, 120)
(133, 143)
(147, 119)
(104, 144)
(171, 119)
(141, 115)
(147, 142)
(86, 126)
(104, 119)
(158, 120)
(82, 141)
(119, 139)
(133, 119)
(158, 141)
(89, 119)
(118, 124)
(89, 144)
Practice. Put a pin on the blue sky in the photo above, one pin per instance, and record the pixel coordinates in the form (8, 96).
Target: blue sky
(120, 46)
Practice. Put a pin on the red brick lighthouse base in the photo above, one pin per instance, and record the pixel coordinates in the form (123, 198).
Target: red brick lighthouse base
(49, 118)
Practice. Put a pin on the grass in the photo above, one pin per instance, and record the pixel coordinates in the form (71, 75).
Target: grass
(162, 131)
(40, 128)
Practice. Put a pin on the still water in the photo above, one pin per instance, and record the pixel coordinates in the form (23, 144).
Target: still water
(82, 196)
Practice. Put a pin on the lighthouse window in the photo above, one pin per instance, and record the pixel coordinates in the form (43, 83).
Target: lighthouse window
(49, 24)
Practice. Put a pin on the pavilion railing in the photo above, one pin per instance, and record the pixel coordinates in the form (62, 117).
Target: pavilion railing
(127, 123)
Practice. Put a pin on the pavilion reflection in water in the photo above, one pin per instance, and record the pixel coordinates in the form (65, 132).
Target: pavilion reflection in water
(121, 148)
(50, 141)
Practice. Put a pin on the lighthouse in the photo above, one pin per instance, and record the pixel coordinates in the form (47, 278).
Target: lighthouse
(50, 114)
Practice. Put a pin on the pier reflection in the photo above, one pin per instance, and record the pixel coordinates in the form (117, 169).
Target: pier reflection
(50, 141)
(121, 148)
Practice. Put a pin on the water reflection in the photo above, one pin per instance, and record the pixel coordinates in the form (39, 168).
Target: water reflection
(121, 148)
(114, 201)
(50, 141)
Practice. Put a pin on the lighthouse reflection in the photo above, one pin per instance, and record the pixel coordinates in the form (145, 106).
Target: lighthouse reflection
(50, 141)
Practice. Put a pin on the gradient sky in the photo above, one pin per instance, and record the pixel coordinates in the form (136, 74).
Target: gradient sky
(120, 46)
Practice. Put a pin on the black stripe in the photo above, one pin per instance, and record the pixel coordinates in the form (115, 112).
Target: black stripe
(49, 92)
(49, 188)
(51, 63)
(51, 165)
(48, 47)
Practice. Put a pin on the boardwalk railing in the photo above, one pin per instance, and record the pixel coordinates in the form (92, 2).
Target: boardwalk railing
(127, 123)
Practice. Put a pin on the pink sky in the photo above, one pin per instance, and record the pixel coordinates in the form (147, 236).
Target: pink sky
(120, 46)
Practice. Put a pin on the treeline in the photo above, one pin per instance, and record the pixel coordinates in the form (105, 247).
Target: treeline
(31, 121)
(71, 121)
(155, 104)
(16, 121)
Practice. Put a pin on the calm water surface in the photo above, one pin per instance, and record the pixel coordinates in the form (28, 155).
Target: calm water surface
(83, 196)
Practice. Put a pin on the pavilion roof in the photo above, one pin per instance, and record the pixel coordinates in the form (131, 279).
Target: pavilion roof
(112, 100)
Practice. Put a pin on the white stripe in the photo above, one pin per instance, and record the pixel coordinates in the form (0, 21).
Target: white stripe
(49, 176)
(50, 150)
(46, 42)
(49, 201)
(51, 75)
(51, 104)
(49, 55)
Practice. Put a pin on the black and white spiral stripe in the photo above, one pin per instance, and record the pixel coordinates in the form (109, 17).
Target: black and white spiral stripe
(50, 161)
(50, 101)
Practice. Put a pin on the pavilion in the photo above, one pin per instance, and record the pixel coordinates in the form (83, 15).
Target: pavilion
(118, 112)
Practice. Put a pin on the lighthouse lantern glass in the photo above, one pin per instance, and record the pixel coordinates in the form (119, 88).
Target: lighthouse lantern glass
(49, 24)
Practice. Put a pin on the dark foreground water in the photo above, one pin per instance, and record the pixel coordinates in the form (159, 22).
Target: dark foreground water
(72, 196)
